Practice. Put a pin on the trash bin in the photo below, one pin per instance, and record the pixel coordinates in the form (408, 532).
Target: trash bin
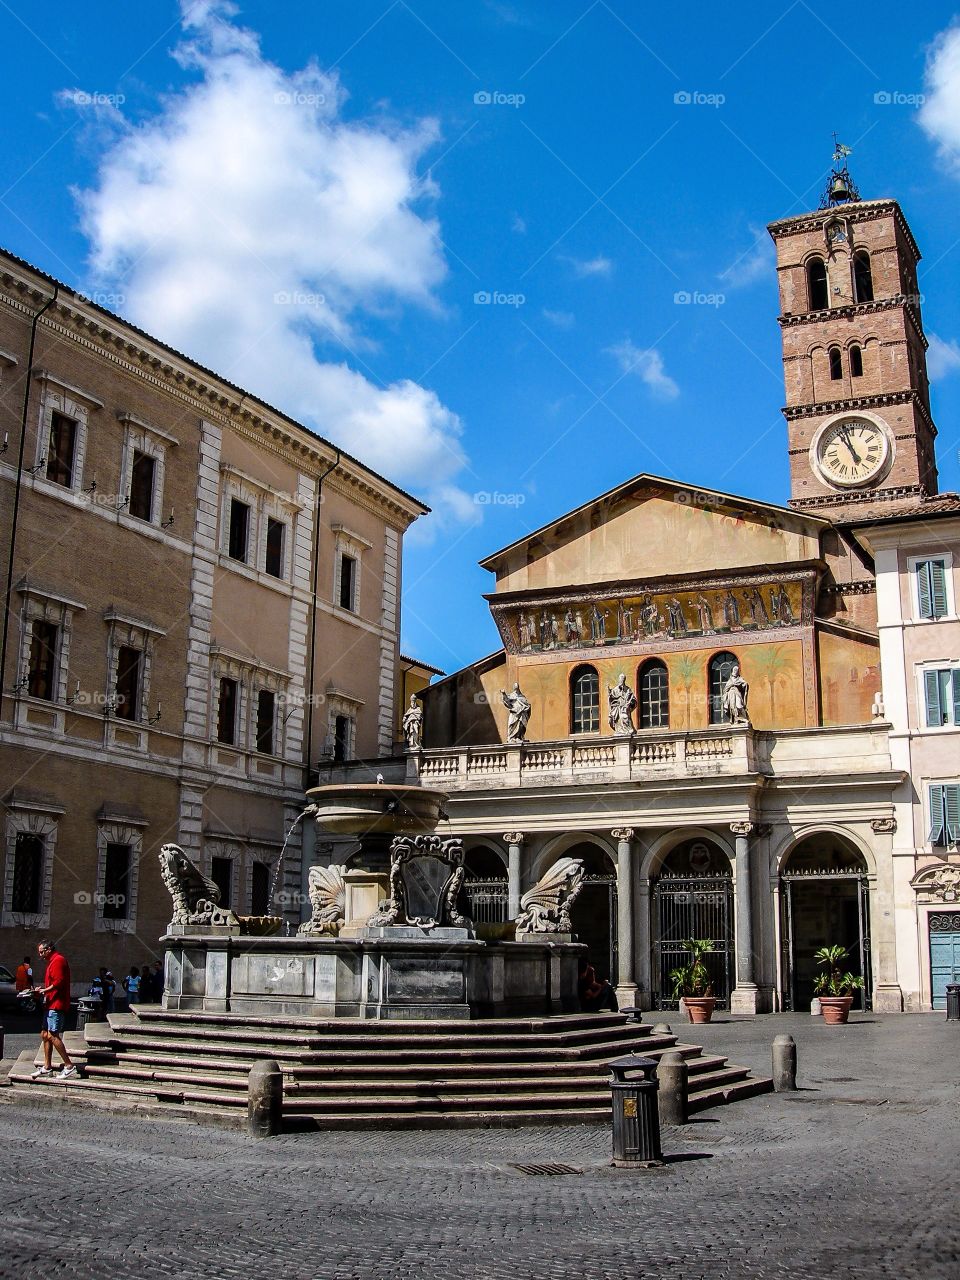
(636, 1120)
(953, 1001)
(88, 1010)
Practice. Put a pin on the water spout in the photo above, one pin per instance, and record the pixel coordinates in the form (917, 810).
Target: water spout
(309, 810)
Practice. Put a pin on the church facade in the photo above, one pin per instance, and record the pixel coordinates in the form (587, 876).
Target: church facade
(724, 707)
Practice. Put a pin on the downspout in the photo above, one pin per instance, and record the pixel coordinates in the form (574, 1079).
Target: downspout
(19, 486)
(313, 619)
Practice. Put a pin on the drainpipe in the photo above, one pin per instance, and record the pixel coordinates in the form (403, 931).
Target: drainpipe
(313, 619)
(19, 486)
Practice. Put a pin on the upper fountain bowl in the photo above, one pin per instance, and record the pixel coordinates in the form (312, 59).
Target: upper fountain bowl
(376, 808)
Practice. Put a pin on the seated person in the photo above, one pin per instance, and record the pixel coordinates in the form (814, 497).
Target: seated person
(595, 993)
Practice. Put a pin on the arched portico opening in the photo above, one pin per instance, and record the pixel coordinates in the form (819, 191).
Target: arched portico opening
(594, 913)
(485, 887)
(692, 897)
(825, 901)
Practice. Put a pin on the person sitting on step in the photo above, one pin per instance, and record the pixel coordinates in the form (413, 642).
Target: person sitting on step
(595, 993)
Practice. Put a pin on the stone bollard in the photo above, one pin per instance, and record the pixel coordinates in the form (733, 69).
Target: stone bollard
(662, 1029)
(784, 1064)
(265, 1098)
(673, 1074)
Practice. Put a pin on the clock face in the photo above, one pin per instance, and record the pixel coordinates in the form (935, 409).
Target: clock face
(852, 451)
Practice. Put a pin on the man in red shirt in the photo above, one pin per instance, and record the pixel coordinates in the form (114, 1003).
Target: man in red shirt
(56, 992)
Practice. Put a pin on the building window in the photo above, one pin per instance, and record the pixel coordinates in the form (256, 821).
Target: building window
(260, 889)
(42, 672)
(27, 890)
(718, 673)
(836, 364)
(944, 798)
(274, 553)
(856, 362)
(129, 673)
(341, 737)
(227, 701)
(931, 579)
(239, 540)
(817, 284)
(61, 449)
(585, 701)
(348, 571)
(115, 904)
(654, 695)
(862, 276)
(142, 478)
(266, 718)
(221, 873)
(941, 697)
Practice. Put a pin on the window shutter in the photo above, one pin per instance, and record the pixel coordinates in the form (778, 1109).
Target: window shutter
(938, 587)
(955, 677)
(923, 589)
(951, 807)
(931, 696)
(937, 817)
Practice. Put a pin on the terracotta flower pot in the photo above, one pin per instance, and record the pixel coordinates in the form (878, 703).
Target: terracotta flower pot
(699, 1008)
(835, 1009)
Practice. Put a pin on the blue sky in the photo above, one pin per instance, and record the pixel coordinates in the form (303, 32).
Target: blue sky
(310, 198)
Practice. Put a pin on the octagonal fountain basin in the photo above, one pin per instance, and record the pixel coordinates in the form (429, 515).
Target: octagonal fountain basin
(376, 808)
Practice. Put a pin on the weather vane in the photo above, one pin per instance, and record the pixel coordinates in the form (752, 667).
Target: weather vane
(840, 188)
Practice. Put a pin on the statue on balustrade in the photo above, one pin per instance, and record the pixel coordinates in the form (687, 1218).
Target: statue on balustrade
(622, 701)
(519, 714)
(735, 694)
(413, 724)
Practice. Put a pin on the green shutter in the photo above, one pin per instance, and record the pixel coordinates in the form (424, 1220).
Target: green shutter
(931, 696)
(951, 807)
(938, 587)
(923, 589)
(937, 816)
(955, 677)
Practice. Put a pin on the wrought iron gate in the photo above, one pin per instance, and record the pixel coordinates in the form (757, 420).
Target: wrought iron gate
(859, 951)
(487, 900)
(693, 907)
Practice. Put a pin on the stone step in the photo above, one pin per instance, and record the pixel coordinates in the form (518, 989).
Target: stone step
(554, 1025)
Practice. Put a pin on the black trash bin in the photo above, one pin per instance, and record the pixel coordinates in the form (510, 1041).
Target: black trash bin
(636, 1118)
(953, 1001)
(88, 1010)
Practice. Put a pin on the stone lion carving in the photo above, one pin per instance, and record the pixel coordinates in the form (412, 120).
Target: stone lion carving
(327, 899)
(546, 907)
(403, 850)
(195, 897)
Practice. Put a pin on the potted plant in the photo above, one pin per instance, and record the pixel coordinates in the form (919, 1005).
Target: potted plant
(691, 981)
(834, 988)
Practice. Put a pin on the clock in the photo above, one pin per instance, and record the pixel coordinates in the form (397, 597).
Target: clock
(851, 451)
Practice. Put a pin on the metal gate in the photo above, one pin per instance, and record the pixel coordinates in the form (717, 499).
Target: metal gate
(693, 907)
(944, 954)
(859, 951)
(487, 900)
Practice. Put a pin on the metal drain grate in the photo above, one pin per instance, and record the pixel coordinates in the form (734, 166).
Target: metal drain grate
(539, 1170)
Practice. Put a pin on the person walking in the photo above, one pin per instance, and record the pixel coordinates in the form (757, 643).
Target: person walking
(56, 992)
(23, 977)
(109, 984)
(131, 985)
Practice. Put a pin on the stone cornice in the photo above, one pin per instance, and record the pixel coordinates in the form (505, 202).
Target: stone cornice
(867, 495)
(885, 399)
(859, 211)
(899, 301)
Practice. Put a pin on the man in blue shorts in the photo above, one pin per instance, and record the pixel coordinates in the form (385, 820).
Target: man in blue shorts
(56, 992)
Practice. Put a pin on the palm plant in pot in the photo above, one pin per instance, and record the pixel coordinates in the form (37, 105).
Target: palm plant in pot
(691, 981)
(834, 987)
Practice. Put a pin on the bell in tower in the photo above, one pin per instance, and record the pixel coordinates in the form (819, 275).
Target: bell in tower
(840, 186)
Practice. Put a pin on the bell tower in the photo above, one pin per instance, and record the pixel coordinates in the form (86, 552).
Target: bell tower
(854, 355)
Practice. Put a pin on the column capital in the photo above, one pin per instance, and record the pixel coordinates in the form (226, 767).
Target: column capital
(623, 834)
(741, 828)
(513, 837)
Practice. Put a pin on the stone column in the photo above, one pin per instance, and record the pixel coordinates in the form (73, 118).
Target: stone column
(626, 982)
(514, 842)
(744, 997)
(642, 931)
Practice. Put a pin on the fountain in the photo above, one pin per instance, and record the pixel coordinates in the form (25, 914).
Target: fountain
(385, 945)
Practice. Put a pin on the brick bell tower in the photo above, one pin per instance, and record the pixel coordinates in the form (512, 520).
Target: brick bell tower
(854, 355)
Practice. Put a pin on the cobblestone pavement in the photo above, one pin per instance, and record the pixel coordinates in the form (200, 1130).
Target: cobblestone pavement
(853, 1176)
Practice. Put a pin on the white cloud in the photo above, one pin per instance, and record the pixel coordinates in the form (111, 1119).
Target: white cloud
(561, 319)
(250, 225)
(940, 113)
(943, 357)
(518, 226)
(755, 263)
(647, 365)
(583, 268)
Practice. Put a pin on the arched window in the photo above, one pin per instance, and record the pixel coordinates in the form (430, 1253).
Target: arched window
(862, 276)
(654, 695)
(836, 364)
(718, 672)
(856, 362)
(585, 701)
(817, 284)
